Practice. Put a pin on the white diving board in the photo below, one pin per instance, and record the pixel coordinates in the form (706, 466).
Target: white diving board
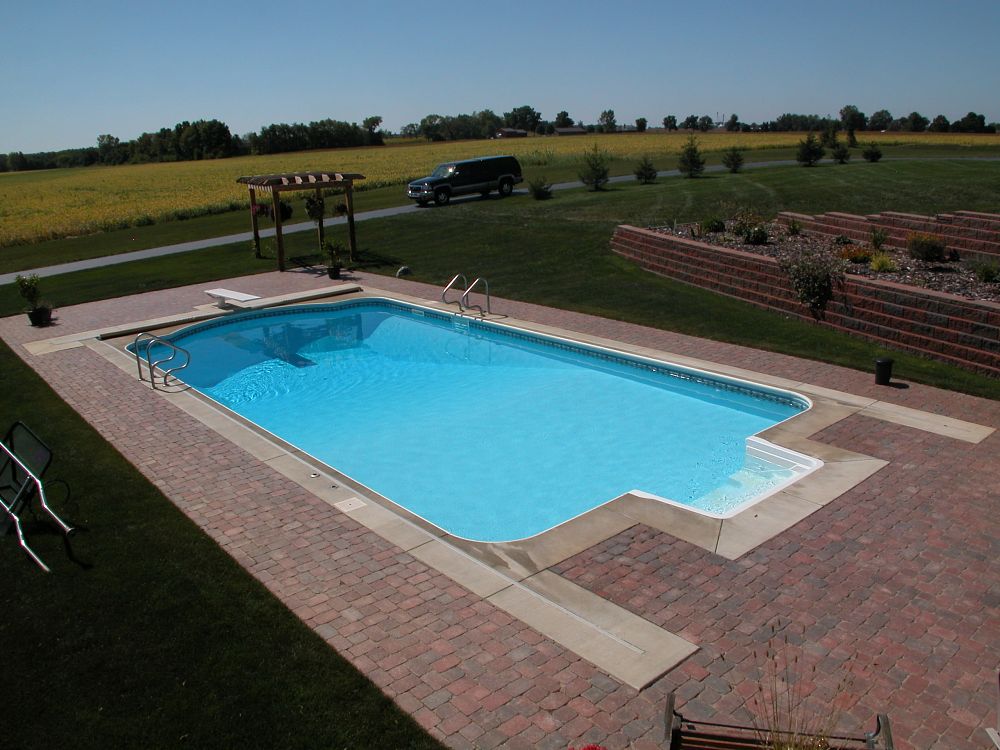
(223, 297)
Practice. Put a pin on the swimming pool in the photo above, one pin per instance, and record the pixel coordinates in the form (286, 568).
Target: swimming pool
(490, 432)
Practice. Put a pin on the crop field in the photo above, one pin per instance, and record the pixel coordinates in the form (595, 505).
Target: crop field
(51, 204)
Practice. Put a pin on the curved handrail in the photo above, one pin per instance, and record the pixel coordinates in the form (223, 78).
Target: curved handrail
(175, 351)
(465, 297)
(444, 293)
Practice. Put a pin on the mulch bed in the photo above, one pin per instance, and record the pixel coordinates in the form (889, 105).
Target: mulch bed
(953, 277)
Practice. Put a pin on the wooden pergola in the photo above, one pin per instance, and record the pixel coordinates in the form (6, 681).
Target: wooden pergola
(275, 184)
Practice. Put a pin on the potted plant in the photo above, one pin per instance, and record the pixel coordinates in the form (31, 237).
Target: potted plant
(39, 312)
(334, 267)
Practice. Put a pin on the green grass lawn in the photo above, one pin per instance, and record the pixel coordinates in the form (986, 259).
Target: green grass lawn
(558, 169)
(556, 252)
(163, 640)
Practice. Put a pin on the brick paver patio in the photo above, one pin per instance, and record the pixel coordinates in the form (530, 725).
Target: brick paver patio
(896, 583)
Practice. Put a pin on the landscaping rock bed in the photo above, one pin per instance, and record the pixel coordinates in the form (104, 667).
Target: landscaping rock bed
(953, 277)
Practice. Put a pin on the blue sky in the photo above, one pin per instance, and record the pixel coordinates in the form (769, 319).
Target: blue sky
(74, 70)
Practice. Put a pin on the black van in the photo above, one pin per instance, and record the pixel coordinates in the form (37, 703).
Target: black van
(480, 175)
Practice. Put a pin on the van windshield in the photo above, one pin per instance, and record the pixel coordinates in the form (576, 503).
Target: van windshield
(443, 170)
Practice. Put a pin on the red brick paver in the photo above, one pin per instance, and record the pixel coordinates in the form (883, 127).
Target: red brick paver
(896, 583)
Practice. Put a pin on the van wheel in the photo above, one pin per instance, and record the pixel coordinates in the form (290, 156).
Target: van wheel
(506, 187)
(441, 197)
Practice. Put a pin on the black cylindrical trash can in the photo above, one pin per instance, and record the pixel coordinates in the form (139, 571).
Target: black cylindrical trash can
(883, 371)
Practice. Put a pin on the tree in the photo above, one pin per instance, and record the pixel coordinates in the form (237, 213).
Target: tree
(563, 120)
(640, 124)
(607, 121)
(690, 122)
(670, 122)
(705, 123)
(16, 161)
(645, 171)
(852, 119)
(691, 163)
(939, 124)
(373, 136)
(522, 118)
(810, 151)
(971, 123)
(916, 122)
(732, 159)
(881, 120)
(109, 150)
(594, 172)
(410, 130)
(872, 152)
(840, 153)
(733, 124)
(430, 127)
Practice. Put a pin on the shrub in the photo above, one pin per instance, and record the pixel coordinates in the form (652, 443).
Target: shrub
(594, 173)
(712, 225)
(856, 254)
(813, 275)
(732, 159)
(794, 228)
(540, 189)
(841, 239)
(810, 151)
(756, 235)
(746, 219)
(645, 172)
(926, 247)
(878, 238)
(840, 153)
(987, 271)
(872, 152)
(691, 162)
(27, 287)
(883, 262)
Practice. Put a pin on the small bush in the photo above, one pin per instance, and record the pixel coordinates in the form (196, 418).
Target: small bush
(756, 235)
(712, 225)
(813, 276)
(794, 228)
(842, 239)
(840, 153)
(540, 189)
(856, 254)
(691, 162)
(810, 151)
(926, 247)
(746, 219)
(732, 159)
(987, 271)
(594, 173)
(872, 152)
(28, 288)
(878, 238)
(645, 172)
(883, 262)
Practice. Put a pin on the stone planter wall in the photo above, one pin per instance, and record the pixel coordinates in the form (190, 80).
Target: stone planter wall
(974, 235)
(934, 324)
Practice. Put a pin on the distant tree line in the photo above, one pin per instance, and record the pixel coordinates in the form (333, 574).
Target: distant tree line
(212, 139)
(202, 139)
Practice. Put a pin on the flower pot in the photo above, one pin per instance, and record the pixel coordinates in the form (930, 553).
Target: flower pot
(333, 272)
(40, 316)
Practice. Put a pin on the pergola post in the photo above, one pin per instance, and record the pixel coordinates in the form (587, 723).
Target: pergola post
(351, 239)
(253, 222)
(319, 225)
(276, 203)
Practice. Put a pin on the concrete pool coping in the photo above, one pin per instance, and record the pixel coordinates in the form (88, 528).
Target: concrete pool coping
(516, 577)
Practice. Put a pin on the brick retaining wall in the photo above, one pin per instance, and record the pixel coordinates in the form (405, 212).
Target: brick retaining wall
(972, 234)
(937, 325)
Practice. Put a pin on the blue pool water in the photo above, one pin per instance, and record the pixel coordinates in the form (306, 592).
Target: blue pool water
(488, 432)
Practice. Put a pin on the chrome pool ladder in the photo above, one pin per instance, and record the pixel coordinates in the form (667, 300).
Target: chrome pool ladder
(463, 301)
(175, 352)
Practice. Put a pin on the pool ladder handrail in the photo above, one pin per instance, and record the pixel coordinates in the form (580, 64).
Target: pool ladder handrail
(444, 292)
(463, 301)
(175, 351)
(465, 297)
